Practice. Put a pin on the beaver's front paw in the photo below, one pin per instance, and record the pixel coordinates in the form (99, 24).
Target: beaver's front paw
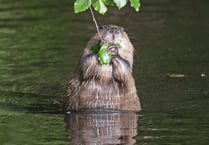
(112, 50)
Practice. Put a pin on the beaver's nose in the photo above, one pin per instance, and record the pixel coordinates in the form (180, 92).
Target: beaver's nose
(114, 30)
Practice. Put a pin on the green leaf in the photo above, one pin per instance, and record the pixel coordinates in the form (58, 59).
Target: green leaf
(95, 48)
(109, 2)
(100, 6)
(81, 5)
(135, 4)
(120, 3)
(103, 56)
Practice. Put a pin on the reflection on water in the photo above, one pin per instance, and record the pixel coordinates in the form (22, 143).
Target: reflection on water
(99, 128)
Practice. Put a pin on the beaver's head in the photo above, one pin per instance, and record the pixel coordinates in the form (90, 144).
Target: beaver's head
(116, 35)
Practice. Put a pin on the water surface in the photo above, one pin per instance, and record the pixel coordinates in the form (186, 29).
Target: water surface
(41, 42)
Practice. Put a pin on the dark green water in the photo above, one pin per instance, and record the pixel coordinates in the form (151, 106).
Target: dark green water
(40, 44)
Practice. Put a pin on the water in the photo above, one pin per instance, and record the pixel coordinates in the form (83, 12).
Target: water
(41, 42)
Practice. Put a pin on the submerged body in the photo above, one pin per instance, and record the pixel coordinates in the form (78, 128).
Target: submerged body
(111, 86)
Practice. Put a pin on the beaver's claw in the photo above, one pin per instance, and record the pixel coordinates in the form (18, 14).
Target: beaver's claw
(112, 50)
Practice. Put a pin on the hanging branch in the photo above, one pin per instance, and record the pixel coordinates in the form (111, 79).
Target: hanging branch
(101, 6)
(95, 22)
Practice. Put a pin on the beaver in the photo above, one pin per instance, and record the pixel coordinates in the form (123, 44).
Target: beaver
(111, 86)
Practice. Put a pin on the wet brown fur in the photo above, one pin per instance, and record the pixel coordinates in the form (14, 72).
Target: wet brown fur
(99, 86)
